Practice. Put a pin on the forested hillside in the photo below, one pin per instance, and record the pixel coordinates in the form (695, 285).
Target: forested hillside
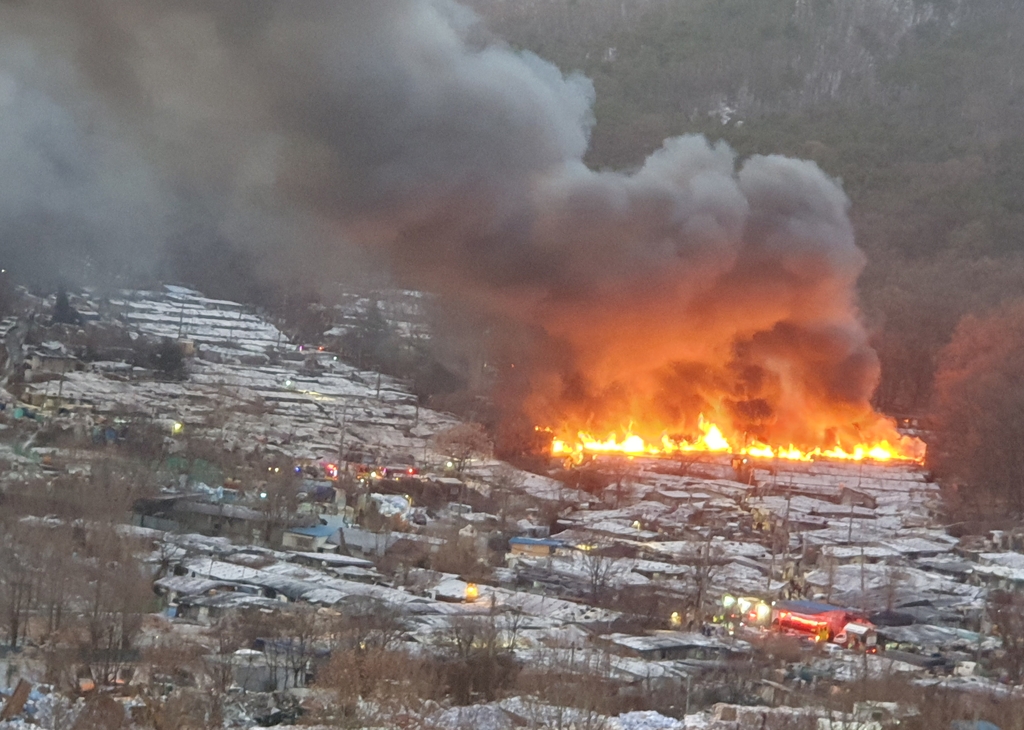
(917, 106)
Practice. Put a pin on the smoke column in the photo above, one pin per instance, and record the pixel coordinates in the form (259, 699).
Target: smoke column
(302, 129)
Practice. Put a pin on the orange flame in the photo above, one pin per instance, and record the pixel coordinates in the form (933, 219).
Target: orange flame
(711, 440)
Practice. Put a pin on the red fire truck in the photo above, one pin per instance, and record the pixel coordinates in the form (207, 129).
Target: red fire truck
(819, 620)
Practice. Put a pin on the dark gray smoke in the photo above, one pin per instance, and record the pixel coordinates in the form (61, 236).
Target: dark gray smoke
(70, 189)
(300, 129)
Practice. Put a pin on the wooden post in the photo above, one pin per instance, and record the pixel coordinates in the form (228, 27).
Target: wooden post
(17, 701)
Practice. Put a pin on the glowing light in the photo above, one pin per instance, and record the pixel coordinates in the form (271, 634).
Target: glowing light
(675, 619)
(711, 439)
(177, 428)
(714, 439)
(472, 592)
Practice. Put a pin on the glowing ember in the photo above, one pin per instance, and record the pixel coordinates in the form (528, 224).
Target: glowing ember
(711, 440)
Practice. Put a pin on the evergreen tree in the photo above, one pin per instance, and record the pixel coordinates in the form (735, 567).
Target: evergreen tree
(63, 312)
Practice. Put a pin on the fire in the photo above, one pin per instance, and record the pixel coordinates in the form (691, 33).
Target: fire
(712, 440)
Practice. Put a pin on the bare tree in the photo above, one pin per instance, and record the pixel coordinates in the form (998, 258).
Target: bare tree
(480, 663)
(831, 564)
(979, 412)
(117, 596)
(20, 575)
(624, 475)
(512, 621)
(1006, 611)
(600, 571)
(297, 642)
(101, 712)
(895, 578)
(378, 687)
(461, 443)
(278, 499)
(703, 565)
(227, 639)
(459, 555)
(569, 690)
(505, 483)
(366, 623)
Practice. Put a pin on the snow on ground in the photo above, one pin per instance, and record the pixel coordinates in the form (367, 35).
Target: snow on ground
(472, 717)
(537, 486)
(253, 390)
(179, 313)
(645, 720)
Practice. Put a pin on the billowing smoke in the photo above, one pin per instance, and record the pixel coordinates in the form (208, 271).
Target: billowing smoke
(303, 128)
(692, 287)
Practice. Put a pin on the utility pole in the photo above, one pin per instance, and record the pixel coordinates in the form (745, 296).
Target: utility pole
(60, 390)
(181, 318)
(341, 441)
(785, 548)
(863, 588)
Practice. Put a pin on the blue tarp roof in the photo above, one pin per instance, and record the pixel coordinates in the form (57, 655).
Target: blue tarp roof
(318, 531)
(542, 541)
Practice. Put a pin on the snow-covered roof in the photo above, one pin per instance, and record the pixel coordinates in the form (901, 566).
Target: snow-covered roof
(662, 640)
(938, 638)
(334, 560)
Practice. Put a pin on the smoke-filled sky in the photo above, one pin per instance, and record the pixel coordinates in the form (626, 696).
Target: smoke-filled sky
(308, 130)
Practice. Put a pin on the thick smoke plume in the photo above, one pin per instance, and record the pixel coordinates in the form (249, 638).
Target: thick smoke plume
(302, 129)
